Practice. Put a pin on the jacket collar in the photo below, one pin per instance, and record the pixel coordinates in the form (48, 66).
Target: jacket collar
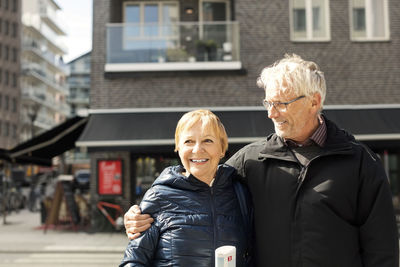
(172, 176)
(337, 142)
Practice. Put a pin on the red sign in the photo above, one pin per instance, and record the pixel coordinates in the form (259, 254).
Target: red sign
(110, 177)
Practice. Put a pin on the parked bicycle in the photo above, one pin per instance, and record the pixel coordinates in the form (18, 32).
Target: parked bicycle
(11, 197)
(108, 216)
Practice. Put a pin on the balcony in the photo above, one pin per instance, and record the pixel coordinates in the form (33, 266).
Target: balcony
(38, 72)
(39, 96)
(50, 16)
(78, 98)
(183, 46)
(33, 23)
(53, 61)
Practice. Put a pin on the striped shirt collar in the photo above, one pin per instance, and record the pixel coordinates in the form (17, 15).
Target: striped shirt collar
(318, 137)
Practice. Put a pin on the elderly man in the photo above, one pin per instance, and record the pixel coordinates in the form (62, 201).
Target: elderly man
(321, 198)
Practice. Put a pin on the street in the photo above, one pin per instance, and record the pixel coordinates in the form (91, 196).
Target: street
(22, 243)
(59, 259)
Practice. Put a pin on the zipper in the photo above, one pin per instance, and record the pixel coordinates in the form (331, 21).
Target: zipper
(214, 220)
(303, 173)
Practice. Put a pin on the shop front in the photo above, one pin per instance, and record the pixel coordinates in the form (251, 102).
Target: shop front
(142, 141)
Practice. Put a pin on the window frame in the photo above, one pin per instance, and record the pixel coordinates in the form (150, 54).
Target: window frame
(368, 23)
(228, 9)
(201, 15)
(141, 5)
(309, 24)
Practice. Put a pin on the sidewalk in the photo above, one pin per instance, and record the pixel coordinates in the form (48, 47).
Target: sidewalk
(21, 235)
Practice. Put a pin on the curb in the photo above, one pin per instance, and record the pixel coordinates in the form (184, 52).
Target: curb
(63, 249)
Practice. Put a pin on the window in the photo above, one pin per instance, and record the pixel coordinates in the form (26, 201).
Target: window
(14, 105)
(14, 29)
(14, 80)
(14, 131)
(14, 54)
(146, 169)
(369, 20)
(1, 98)
(15, 6)
(6, 102)
(309, 20)
(7, 77)
(7, 52)
(150, 28)
(1, 74)
(7, 129)
(6, 27)
(212, 12)
(1, 23)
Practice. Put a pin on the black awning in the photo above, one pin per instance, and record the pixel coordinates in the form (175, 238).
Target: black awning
(368, 124)
(244, 125)
(42, 148)
(158, 128)
(4, 154)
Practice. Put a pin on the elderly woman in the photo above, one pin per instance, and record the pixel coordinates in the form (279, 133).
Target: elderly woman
(195, 206)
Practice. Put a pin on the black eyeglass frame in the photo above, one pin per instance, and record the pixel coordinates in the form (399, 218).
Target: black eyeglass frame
(268, 104)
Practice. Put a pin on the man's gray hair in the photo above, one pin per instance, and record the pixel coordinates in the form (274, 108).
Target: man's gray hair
(292, 74)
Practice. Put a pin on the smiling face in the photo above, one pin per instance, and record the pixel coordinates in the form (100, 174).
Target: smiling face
(200, 151)
(300, 119)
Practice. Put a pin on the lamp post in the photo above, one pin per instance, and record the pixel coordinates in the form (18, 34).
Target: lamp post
(32, 113)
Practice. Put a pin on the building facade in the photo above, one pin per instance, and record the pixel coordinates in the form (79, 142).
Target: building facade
(79, 85)
(43, 80)
(10, 49)
(79, 100)
(159, 59)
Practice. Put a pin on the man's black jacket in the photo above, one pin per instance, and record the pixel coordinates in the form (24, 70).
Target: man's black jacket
(335, 212)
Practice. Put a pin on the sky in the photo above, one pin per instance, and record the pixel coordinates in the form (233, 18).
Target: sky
(77, 15)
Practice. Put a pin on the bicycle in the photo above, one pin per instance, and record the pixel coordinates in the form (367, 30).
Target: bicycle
(12, 199)
(103, 219)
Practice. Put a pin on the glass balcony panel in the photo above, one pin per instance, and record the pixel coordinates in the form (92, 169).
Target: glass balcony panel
(172, 42)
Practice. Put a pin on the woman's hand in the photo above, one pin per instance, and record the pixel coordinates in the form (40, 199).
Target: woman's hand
(135, 222)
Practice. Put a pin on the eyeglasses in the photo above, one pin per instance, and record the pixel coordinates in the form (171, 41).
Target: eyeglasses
(280, 106)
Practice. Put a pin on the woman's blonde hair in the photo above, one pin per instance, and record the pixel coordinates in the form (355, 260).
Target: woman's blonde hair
(209, 121)
(292, 74)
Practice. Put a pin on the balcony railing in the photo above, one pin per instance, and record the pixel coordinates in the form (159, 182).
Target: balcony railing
(48, 56)
(78, 98)
(52, 18)
(39, 95)
(55, 40)
(38, 71)
(186, 45)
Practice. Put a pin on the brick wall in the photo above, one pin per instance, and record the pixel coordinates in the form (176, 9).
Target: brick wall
(356, 72)
(10, 41)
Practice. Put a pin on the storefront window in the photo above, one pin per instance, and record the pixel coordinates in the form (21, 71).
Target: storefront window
(147, 170)
(394, 178)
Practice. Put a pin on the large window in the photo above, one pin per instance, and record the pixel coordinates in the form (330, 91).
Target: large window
(309, 20)
(150, 27)
(369, 20)
(147, 169)
(214, 14)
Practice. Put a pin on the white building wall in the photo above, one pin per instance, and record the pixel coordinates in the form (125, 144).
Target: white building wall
(43, 81)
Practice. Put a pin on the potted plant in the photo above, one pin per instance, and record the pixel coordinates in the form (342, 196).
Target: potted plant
(206, 50)
(211, 47)
(177, 54)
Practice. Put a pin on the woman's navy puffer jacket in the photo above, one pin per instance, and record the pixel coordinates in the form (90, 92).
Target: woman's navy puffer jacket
(191, 221)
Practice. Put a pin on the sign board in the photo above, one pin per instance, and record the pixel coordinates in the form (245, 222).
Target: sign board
(109, 177)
